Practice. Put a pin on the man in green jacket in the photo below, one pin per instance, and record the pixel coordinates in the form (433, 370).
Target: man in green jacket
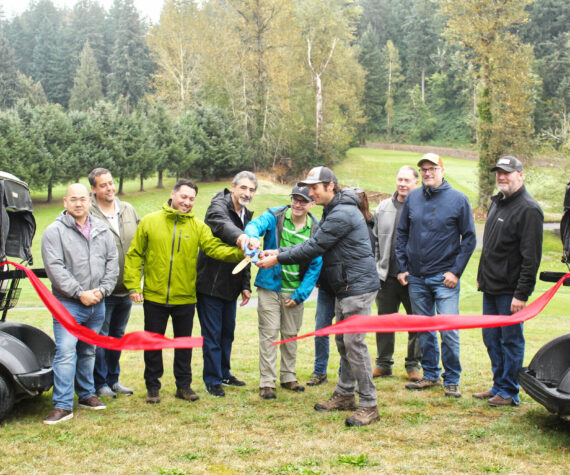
(165, 249)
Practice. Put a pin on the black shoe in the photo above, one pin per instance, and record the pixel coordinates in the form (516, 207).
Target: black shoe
(216, 390)
(232, 381)
(153, 396)
(187, 394)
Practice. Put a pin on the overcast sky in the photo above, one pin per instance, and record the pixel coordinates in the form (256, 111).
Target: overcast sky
(147, 8)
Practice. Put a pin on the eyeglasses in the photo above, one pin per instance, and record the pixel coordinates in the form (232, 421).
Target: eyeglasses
(430, 170)
(299, 202)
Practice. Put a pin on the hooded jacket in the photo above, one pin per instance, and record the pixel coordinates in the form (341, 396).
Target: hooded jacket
(215, 278)
(512, 245)
(270, 225)
(436, 232)
(74, 264)
(343, 240)
(165, 248)
(128, 222)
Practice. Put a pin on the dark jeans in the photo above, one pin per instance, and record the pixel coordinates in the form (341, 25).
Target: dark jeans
(324, 317)
(155, 320)
(218, 322)
(388, 300)
(107, 368)
(505, 346)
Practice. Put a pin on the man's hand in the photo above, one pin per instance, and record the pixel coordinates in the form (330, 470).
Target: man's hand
(267, 261)
(517, 305)
(254, 243)
(450, 280)
(89, 298)
(290, 303)
(242, 241)
(403, 278)
(136, 297)
(245, 296)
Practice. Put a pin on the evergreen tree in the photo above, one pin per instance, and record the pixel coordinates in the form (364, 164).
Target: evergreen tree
(9, 76)
(129, 61)
(87, 89)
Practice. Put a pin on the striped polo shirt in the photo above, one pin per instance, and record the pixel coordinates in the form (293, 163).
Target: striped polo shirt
(290, 275)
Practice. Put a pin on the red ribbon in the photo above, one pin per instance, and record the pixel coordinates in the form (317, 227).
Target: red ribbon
(397, 322)
(141, 340)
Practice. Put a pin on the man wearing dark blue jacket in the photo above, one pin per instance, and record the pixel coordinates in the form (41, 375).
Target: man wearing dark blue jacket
(348, 262)
(283, 289)
(436, 237)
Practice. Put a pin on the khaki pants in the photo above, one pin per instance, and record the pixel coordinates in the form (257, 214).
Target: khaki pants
(274, 318)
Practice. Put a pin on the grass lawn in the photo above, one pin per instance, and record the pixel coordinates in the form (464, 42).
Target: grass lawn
(418, 432)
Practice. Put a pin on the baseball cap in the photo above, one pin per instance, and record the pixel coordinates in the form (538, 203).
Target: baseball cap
(302, 191)
(319, 175)
(509, 164)
(432, 158)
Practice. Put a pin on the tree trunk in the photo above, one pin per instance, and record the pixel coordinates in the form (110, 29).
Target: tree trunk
(121, 179)
(142, 184)
(486, 153)
(423, 84)
(160, 185)
(318, 109)
(49, 193)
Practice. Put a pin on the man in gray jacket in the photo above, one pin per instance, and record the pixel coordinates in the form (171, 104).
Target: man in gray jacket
(80, 258)
(348, 262)
(122, 219)
(392, 293)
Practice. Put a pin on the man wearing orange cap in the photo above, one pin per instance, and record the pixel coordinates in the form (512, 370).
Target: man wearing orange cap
(436, 237)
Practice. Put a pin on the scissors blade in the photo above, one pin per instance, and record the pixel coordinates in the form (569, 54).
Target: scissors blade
(242, 265)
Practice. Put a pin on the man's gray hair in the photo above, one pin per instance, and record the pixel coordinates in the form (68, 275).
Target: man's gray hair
(244, 174)
(95, 173)
(412, 169)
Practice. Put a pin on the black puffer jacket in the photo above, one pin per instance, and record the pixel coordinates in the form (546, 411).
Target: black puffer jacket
(512, 245)
(215, 277)
(343, 241)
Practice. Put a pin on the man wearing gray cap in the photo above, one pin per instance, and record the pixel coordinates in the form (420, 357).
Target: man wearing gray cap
(436, 237)
(348, 262)
(283, 289)
(512, 249)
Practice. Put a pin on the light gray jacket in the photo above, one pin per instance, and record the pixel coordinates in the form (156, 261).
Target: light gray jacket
(128, 222)
(74, 264)
(384, 228)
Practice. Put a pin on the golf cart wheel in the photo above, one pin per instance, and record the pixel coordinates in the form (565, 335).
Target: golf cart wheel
(6, 397)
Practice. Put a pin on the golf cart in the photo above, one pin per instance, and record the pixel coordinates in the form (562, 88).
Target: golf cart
(26, 352)
(547, 377)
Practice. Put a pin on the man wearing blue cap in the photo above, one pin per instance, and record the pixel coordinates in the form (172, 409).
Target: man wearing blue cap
(283, 289)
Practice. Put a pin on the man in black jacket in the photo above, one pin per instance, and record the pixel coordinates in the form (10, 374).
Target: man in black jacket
(217, 288)
(348, 262)
(512, 248)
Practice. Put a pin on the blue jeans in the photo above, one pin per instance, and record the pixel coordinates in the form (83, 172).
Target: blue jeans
(74, 359)
(117, 313)
(218, 322)
(324, 317)
(428, 295)
(505, 346)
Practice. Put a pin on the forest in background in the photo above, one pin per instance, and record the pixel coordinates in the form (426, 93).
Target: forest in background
(216, 86)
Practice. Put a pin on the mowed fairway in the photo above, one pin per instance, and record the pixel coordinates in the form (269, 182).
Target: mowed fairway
(417, 433)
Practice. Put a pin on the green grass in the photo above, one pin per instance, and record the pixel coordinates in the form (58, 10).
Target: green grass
(418, 432)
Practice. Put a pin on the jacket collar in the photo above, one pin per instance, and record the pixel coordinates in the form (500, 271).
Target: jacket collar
(499, 198)
(429, 191)
(174, 213)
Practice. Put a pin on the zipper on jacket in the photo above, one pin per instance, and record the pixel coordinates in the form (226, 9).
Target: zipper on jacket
(179, 240)
(171, 259)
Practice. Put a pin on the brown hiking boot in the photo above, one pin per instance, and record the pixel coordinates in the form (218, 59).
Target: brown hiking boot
(381, 373)
(186, 394)
(267, 393)
(414, 376)
(452, 391)
(153, 396)
(337, 402)
(363, 416)
(497, 401)
(483, 395)
(317, 379)
(423, 384)
(293, 386)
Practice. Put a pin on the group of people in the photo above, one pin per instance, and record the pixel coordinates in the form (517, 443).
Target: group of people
(101, 258)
